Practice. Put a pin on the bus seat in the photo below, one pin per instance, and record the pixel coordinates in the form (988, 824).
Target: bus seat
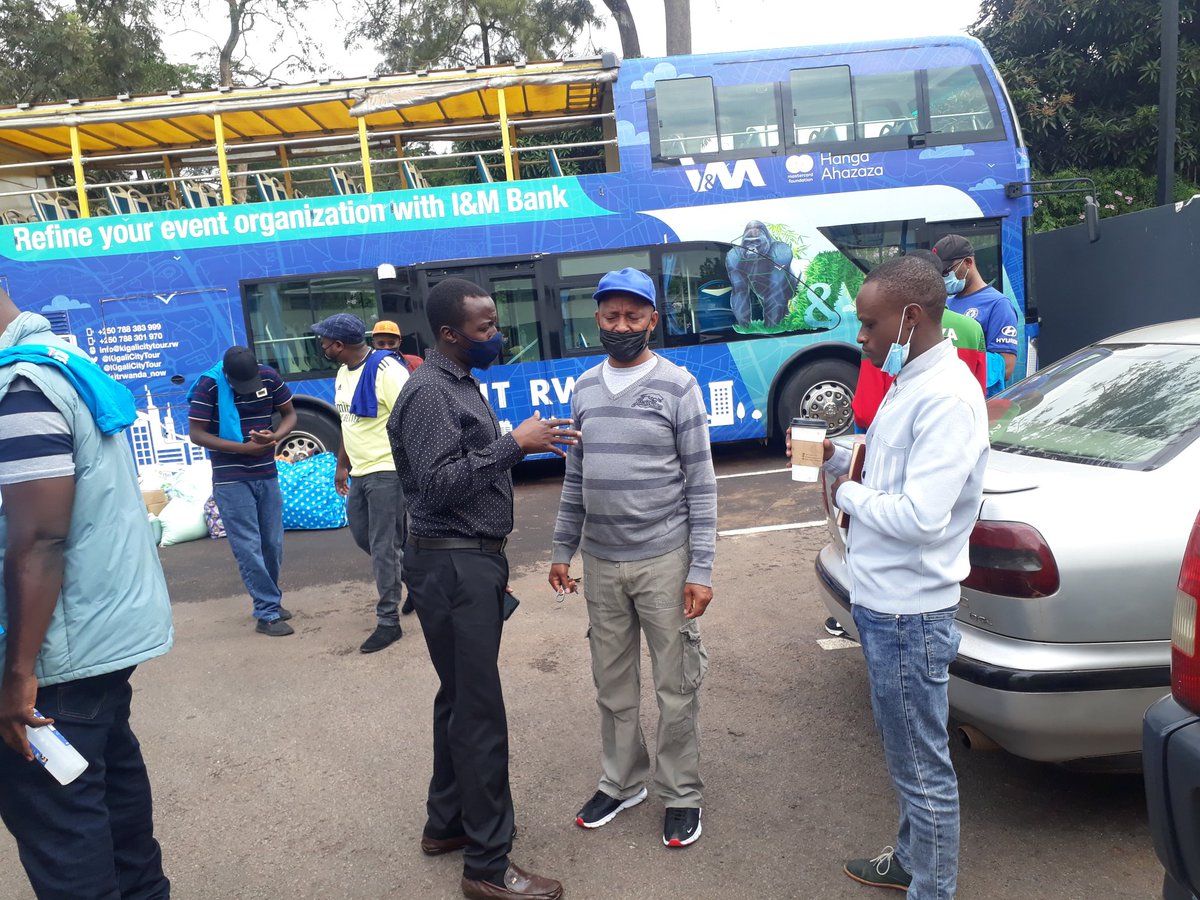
(269, 188)
(342, 182)
(70, 210)
(412, 176)
(555, 166)
(13, 217)
(485, 174)
(45, 207)
(118, 199)
(198, 195)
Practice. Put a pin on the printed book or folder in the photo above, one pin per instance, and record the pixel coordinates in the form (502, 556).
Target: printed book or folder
(858, 457)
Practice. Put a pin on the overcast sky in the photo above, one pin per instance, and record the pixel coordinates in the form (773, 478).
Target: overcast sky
(716, 25)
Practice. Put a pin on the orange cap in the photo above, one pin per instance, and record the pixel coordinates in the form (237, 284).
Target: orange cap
(386, 326)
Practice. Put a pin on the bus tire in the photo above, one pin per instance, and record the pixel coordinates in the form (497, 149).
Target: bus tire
(314, 433)
(819, 390)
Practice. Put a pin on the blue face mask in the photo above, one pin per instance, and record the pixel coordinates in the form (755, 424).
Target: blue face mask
(481, 354)
(954, 284)
(898, 353)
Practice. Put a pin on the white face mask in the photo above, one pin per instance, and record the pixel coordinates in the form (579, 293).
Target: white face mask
(898, 353)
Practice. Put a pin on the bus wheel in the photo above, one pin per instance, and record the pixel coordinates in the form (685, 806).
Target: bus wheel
(314, 433)
(820, 390)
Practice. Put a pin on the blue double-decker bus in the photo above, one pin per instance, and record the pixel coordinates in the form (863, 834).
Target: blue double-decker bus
(757, 189)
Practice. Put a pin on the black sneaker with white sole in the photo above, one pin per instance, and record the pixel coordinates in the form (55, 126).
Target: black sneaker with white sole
(834, 627)
(602, 809)
(681, 826)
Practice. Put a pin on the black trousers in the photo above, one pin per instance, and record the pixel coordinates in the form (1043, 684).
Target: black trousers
(459, 597)
(92, 839)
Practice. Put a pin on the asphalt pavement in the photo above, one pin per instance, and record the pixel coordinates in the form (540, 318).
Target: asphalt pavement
(296, 767)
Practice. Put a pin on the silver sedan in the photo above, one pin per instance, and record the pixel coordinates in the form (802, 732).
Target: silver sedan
(1092, 490)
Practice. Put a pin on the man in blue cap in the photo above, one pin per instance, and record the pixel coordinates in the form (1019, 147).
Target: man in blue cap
(230, 414)
(640, 495)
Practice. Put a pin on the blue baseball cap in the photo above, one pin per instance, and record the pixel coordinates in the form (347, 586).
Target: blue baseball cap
(626, 281)
(344, 327)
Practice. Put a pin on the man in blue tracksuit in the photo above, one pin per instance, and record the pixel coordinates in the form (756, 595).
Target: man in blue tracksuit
(84, 602)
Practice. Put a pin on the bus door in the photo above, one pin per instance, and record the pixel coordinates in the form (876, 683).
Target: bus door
(522, 380)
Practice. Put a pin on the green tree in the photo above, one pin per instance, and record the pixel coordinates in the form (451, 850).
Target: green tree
(90, 48)
(1083, 75)
(412, 34)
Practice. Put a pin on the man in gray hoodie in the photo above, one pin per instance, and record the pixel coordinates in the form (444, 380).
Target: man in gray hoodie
(641, 495)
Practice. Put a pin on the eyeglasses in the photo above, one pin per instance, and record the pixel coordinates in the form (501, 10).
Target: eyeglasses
(952, 265)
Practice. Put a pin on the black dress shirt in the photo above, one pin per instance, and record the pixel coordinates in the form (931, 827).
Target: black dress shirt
(453, 463)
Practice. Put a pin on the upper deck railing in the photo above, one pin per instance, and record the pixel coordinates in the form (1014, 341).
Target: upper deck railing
(199, 149)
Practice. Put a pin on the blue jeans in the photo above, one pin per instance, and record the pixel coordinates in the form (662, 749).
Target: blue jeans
(252, 512)
(908, 666)
(92, 839)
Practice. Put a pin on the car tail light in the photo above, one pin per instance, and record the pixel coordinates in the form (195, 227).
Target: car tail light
(1011, 559)
(1185, 666)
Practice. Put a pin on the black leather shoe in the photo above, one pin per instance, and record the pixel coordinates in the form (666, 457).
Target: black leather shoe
(382, 636)
(517, 884)
(408, 608)
(284, 614)
(438, 846)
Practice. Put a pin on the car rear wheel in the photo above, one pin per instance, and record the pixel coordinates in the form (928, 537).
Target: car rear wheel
(820, 390)
(314, 433)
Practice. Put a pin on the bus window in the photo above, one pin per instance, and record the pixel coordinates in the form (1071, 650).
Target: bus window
(695, 297)
(868, 244)
(821, 105)
(887, 104)
(579, 318)
(596, 264)
(687, 117)
(578, 275)
(749, 116)
(281, 315)
(959, 102)
(516, 309)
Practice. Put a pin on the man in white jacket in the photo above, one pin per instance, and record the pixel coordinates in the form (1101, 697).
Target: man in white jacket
(910, 520)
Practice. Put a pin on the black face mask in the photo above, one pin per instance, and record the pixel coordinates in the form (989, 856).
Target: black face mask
(624, 346)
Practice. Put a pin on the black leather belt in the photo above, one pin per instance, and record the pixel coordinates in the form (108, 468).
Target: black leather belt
(487, 545)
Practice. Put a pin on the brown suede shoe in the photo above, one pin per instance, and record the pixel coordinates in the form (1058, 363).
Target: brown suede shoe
(517, 883)
(438, 846)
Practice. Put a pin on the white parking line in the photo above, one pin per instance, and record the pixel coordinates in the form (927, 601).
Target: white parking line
(832, 643)
(734, 532)
(751, 474)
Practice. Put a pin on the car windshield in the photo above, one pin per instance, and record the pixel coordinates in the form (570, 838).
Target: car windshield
(1129, 406)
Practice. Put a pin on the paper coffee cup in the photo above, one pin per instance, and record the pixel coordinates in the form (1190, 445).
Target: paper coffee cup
(808, 448)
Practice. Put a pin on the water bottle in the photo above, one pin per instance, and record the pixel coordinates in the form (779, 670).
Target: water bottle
(55, 752)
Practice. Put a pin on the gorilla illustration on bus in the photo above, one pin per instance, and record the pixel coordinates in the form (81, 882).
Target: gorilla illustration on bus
(760, 268)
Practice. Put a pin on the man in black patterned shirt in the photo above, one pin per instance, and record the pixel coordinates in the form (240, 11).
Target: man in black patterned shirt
(455, 468)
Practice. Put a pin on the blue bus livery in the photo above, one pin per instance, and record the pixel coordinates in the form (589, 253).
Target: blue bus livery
(757, 190)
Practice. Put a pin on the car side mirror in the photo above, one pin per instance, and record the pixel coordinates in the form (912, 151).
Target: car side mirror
(1091, 215)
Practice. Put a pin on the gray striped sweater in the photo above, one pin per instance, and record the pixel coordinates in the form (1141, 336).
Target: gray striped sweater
(641, 483)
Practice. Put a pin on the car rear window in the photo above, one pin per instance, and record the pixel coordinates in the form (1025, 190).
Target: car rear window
(1130, 406)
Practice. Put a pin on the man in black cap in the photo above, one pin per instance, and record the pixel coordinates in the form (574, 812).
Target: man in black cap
(456, 470)
(969, 295)
(230, 413)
